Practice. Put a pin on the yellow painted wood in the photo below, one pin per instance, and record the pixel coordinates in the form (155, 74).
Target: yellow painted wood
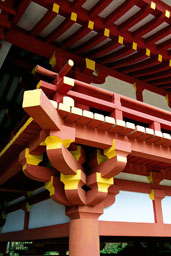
(100, 158)
(77, 153)
(160, 57)
(32, 159)
(151, 195)
(91, 24)
(103, 183)
(52, 60)
(31, 98)
(167, 14)
(134, 46)
(16, 136)
(71, 182)
(90, 64)
(106, 32)
(120, 39)
(73, 16)
(55, 8)
(54, 142)
(153, 5)
(50, 187)
(110, 152)
(148, 52)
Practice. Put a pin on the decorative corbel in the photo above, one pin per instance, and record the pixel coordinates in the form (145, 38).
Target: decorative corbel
(56, 190)
(60, 157)
(73, 187)
(42, 110)
(98, 188)
(117, 159)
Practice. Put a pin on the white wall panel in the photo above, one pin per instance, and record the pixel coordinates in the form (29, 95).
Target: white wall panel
(130, 207)
(14, 222)
(47, 213)
(166, 207)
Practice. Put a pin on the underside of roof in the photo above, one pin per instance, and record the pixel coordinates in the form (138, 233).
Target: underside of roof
(127, 39)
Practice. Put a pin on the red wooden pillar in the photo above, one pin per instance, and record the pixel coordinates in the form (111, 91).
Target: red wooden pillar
(157, 196)
(84, 230)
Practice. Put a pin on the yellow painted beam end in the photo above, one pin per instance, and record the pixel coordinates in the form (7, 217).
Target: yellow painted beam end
(55, 8)
(90, 64)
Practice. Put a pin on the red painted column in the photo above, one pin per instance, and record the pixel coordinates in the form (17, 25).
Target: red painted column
(84, 231)
(157, 207)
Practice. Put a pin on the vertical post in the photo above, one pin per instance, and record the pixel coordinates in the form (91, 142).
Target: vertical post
(84, 237)
(117, 113)
(84, 231)
(157, 196)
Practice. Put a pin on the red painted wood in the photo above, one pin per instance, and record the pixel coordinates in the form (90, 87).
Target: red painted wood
(21, 9)
(108, 228)
(56, 231)
(43, 23)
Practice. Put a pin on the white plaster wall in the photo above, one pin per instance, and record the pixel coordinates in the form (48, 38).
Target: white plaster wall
(47, 213)
(166, 208)
(126, 89)
(118, 86)
(14, 222)
(130, 207)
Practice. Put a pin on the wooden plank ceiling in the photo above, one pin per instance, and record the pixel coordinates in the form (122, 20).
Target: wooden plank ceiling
(130, 39)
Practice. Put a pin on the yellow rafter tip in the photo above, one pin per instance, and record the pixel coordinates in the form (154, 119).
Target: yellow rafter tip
(38, 85)
(134, 46)
(153, 5)
(160, 58)
(147, 52)
(167, 14)
(170, 63)
(106, 32)
(55, 8)
(167, 98)
(73, 16)
(91, 24)
(120, 39)
(52, 60)
(135, 86)
(34, 70)
(90, 64)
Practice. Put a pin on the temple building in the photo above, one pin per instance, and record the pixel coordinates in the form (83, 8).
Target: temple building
(85, 146)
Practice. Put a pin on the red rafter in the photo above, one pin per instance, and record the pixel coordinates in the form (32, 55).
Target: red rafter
(165, 45)
(146, 63)
(4, 7)
(66, 24)
(99, 7)
(76, 36)
(159, 35)
(47, 18)
(121, 10)
(139, 56)
(78, 3)
(90, 43)
(118, 54)
(105, 49)
(153, 70)
(44, 49)
(150, 26)
(21, 9)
